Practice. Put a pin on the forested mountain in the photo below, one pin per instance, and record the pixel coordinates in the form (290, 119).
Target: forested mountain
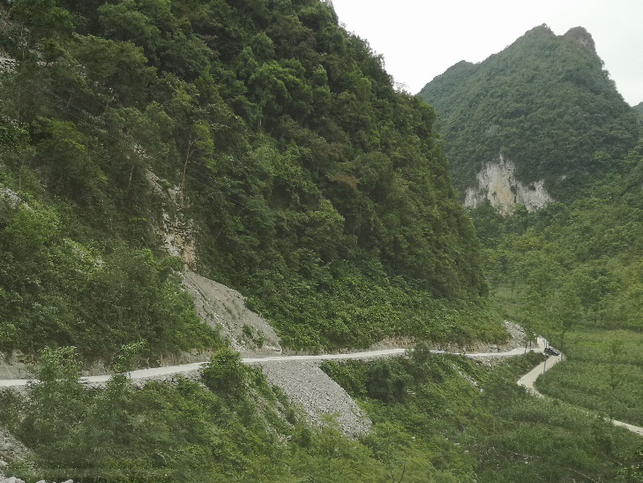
(544, 105)
(639, 108)
(306, 180)
(571, 270)
(573, 265)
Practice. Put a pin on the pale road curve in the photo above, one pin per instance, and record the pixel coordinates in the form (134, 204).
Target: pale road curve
(529, 379)
(526, 381)
(186, 368)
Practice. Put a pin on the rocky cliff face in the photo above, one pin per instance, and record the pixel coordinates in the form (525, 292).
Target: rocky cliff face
(497, 183)
(172, 227)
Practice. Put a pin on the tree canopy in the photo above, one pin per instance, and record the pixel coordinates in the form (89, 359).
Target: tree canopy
(297, 163)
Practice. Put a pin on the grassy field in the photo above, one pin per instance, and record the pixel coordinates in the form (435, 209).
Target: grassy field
(603, 372)
(471, 422)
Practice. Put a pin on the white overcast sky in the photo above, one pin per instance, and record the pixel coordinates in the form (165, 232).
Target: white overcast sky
(420, 39)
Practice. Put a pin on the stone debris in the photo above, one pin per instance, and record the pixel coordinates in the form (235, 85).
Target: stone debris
(11, 196)
(311, 388)
(217, 305)
(220, 306)
(11, 450)
(7, 64)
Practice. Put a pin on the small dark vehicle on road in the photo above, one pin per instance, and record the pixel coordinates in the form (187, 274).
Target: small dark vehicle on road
(551, 351)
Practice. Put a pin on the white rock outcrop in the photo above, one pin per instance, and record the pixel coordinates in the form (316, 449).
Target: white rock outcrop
(498, 184)
(7, 64)
(176, 231)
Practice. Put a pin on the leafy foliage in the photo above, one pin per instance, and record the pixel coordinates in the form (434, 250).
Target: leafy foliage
(639, 108)
(297, 162)
(386, 381)
(55, 291)
(572, 272)
(573, 264)
(162, 432)
(471, 422)
(603, 373)
(225, 374)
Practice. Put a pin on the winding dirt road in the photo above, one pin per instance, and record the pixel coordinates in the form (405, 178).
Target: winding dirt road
(156, 372)
(526, 381)
(529, 379)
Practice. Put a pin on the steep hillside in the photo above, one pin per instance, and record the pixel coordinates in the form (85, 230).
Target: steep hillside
(538, 121)
(639, 108)
(575, 264)
(296, 175)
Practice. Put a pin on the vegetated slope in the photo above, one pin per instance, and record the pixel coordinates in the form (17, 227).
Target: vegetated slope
(639, 108)
(436, 418)
(575, 264)
(474, 423)
(603, 373)
(312, 185)
(545, 103)
(574, 272)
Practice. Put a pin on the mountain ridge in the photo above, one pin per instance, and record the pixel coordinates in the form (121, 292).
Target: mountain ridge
(545, 103)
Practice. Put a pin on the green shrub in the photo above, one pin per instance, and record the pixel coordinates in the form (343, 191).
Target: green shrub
(387, 381)
(225, 374)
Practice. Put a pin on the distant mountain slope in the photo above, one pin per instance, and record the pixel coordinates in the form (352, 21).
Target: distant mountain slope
(639, 108)
(542, 111)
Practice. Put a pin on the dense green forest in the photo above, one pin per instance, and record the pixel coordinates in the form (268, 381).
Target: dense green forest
(575, 273)
(578, 261)
(572, 270)
(545, 103)
(311, 185)
(639, 108)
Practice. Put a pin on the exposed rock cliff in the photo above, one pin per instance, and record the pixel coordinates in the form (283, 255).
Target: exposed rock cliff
(497, 183)
(173, 227)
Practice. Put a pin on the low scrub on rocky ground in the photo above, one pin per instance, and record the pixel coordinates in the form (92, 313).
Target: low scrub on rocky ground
(227, 425)
(436, 418)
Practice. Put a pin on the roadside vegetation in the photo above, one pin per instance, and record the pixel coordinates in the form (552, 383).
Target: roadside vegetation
(574, 274)
(603, 372)
(96, 296)
(473, 423)
(436, 418)
(324, 196)
(572, 271)
(226, 425)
